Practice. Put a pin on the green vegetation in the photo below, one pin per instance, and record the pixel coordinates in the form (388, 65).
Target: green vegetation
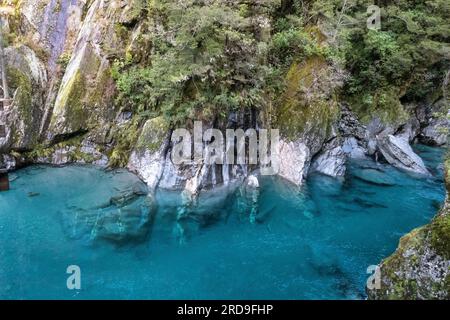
(208, 58)
(405, 60)
(71, 101)
(126, 137)
(205, 63)
(440, 234)
(18, 80)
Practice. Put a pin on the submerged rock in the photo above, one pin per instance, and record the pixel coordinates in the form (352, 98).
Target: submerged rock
(248, 199)
(125, 216)
(374, 176)
(125, 221)
(398, 152)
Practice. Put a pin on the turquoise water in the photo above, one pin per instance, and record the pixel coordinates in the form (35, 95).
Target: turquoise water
(310, 243)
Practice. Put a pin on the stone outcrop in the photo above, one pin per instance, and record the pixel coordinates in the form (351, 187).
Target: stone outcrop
(331, 161)
(398, 152)
(27, 77)
(148, 158)
(420, 267)
(294, 160)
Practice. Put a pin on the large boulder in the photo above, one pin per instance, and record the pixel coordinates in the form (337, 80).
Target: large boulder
(398, 152)
(420, 267)
(353, 148)
(436, 133)
(331, 161)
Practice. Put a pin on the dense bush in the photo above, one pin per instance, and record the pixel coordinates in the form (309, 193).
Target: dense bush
(208, 58)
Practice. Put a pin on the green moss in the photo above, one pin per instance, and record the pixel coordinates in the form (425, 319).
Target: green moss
(384, 104)
(57, 7)
(153, 134)
(447, 285)
(19, 81)
(97, 96)
(63, 60)
(130, 136)
(125, 140)
(302, 109)
(447, 175)
(71, 104)
(440, 235)
(74, 153)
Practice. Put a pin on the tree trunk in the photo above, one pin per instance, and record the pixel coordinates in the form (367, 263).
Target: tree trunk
(2, 66)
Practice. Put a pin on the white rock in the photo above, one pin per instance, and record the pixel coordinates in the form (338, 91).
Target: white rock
(398, 152)
(330, 162)
(352, 149)
(294, 160)
(252, 182)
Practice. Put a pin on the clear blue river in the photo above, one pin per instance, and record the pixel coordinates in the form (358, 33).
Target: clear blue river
(315, 242)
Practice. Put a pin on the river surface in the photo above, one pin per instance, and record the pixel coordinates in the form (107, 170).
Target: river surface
(315, 242)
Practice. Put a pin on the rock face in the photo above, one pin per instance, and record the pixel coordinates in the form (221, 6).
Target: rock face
(294, 160)
(53, 25)
(435, 120)
(398, 152)
(148, 159)
(61, 68)
(27, 77)
(331, 161)
(86, 90)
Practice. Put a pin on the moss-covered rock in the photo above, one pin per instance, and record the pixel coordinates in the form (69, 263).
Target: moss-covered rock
(74, 150)
(153, 134)
(308, 107)
(69, 106)
(420, 267)
(27, 78)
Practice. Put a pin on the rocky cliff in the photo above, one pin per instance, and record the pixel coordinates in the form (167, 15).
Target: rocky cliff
(62, 59)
